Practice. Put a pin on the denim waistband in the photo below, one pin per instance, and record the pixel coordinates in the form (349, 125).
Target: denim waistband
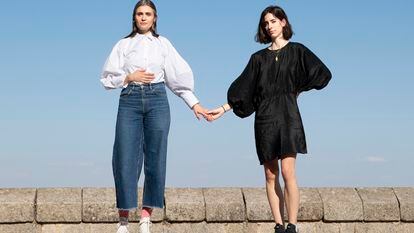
(145, 84)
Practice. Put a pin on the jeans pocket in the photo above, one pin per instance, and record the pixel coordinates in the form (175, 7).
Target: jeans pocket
(126, 91)
(159, 91)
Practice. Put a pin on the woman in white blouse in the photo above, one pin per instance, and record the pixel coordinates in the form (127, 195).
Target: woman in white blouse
(142, 64)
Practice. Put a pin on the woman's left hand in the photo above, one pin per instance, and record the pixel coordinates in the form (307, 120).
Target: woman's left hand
(215, 113)
(199, 111)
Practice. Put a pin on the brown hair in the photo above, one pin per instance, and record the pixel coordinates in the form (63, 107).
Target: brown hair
(262, 36)
(135, 29)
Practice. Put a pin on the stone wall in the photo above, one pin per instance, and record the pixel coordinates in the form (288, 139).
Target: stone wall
(208, 210)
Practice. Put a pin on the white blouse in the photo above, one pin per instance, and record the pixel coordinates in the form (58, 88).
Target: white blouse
(155, 55)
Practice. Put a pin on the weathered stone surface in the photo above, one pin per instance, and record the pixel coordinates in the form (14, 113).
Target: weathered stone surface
(157, 213)
(185, 228)
(304, 227)
(111, 228)
(99, 205)
(224, 204)
(347, 227)
(405, 228)
(380, 204)
(184, 204)
(17, 205)
(59, 205)
(341, 204)
(377, 228)
(406, 199)
(257, 205)
(226, 228)
(311, 206)
(260, 227)
(327, 228)
(20, 228)
(64, 228)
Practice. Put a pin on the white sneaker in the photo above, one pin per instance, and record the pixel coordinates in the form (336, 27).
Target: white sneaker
(122, 229)
(144, 225)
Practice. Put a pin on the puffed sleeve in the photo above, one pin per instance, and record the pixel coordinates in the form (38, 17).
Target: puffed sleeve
(113, 74)
(241, 92)
(316, 74)
(178, 75)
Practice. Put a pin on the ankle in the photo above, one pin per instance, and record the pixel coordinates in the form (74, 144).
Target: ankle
(146, 212)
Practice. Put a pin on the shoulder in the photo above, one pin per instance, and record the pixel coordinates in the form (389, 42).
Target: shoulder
(122, 43)
(258, 54)
(164, 41)
(298, 46)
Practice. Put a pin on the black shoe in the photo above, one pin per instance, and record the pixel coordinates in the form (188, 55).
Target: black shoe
(279, 228)
(291, 228)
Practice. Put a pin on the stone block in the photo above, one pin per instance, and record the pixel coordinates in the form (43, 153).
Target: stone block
(64, 228)
(17, 205)
(226, 228)
(341, 204)
(184, 204)
(405, 228)
(157, 213)
(20, 228)
(347, 227)
(257, 205)
(224, 205)
(185, 228)
(405, 197)
(322, 227)
(260, 227)
(377, 227)
(311, 206)
(111, 228)
(380, 204)
(99, 205)
(59, 205)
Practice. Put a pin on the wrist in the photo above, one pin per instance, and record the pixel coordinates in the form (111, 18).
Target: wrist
(127, 80)
(195, 105)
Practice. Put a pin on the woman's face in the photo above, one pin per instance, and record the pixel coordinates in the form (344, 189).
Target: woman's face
(274, 26)
(144, 18)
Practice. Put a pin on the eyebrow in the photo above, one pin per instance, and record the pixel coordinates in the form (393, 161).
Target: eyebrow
(143, 12)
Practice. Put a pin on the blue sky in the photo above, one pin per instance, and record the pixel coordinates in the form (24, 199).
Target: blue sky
(57, 122)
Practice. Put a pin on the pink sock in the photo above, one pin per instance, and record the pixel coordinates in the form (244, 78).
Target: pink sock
(146, 212)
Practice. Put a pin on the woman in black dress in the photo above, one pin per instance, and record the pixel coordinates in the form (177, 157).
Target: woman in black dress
(269, 86)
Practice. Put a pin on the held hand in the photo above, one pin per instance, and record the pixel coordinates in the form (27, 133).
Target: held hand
(215, 113)
(199, 111)
(140, 76)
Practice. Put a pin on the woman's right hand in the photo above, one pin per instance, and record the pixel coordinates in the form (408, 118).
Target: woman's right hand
(215, 114)
(139, 76)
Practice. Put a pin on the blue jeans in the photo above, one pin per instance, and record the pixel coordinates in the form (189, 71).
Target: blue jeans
(141, 135)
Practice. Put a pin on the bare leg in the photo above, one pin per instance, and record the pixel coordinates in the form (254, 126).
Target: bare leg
(274, 191)
(291, 187)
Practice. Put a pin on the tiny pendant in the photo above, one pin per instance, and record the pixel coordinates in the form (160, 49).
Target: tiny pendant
(276, 58)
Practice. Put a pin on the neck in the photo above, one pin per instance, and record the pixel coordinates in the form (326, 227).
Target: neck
(278, 43)
(145, 33)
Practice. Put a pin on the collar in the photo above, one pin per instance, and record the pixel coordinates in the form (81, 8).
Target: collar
(148, 36)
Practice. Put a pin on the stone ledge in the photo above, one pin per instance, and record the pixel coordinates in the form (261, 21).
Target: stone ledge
(380, 204)
(204, 227)
(17, 205)
(405, 198)
(218, 208)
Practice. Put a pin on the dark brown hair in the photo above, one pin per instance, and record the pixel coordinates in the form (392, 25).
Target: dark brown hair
(135, 29)
(262, 36)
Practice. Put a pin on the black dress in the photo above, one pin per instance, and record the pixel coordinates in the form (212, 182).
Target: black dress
(269, 86)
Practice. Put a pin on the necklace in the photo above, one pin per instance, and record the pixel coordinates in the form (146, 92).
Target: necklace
(277, 51)
(277, 55)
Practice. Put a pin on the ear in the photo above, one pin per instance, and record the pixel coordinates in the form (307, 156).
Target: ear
(283, 22)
